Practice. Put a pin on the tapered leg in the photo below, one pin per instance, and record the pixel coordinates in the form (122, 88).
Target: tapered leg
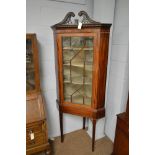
(61, 124)
(93, 134)
(84, 121)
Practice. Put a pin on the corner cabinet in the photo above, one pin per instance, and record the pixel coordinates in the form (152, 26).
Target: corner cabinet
(36, 124)
(81, 50)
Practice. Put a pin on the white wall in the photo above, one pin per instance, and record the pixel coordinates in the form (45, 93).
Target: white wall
(103, 11)
(115, 12)
(118, 79)
(40, 15)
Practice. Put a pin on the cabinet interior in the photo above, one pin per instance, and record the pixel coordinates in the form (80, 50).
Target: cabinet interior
(77, 69)
(30, 71)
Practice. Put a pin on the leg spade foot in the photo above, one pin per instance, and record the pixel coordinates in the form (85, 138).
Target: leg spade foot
(61, 125)
(93, 134)
(84, 122)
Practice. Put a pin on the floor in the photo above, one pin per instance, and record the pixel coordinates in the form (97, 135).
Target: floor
(79, 143)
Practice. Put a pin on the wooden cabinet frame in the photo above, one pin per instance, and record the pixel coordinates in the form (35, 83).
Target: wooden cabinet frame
(100, 33)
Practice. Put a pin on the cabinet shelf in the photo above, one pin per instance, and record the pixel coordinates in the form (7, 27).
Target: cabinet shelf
(87, 80)
(78, 99)
(68, 96)
(77, 48)
(74, 93)
(77, 83)
(88, 66)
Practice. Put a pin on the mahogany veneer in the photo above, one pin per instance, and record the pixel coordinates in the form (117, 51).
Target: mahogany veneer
(75, 50)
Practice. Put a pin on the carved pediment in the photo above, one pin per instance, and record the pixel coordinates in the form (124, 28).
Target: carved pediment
(68, 21)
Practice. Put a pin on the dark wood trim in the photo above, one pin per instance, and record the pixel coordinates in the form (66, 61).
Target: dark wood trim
(86, 21)
(83, 110)
(61, 124)
(84, 122)
(93, 134)
(66, 21)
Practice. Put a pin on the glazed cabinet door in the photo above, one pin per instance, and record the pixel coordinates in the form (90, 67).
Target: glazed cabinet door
(76, 59)
(32, 66)
(30, 73)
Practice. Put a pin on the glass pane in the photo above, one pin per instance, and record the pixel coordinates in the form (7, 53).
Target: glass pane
(77, 69)
(30, 75)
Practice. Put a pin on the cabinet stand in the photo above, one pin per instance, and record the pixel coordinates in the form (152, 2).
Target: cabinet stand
(93, 134)
(84, 120)
(61, 124)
